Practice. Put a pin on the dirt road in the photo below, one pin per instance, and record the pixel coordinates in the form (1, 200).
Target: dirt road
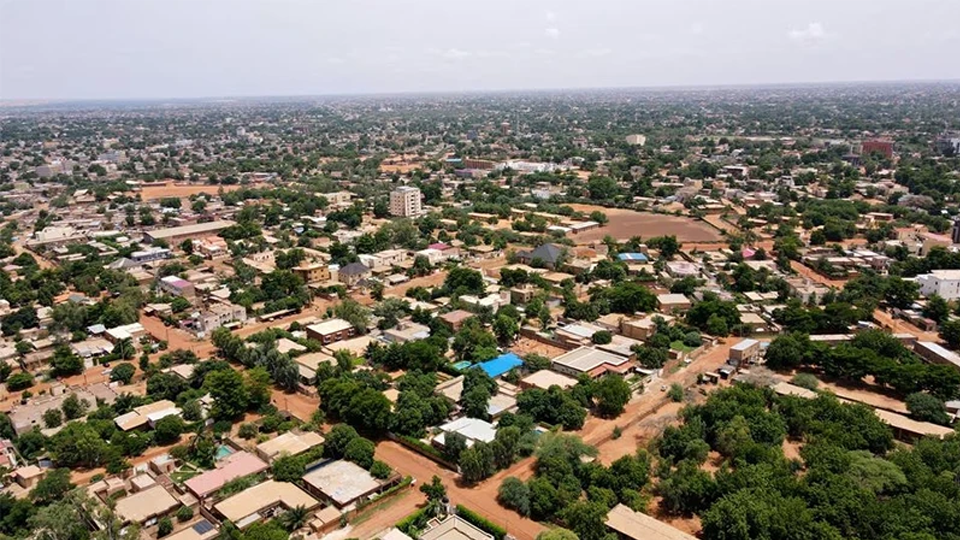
(481, 498)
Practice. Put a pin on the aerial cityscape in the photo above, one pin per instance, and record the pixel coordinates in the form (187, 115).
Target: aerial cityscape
(646, 312)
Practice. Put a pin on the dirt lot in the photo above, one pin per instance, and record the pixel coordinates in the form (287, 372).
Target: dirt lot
(525, 346)
(150, 193)
(625, 224)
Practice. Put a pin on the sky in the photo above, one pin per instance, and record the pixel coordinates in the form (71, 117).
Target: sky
(133, 49)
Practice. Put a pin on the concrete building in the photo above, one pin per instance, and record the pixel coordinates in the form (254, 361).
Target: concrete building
(936, 354)
(289, 443)
(220, 315)
(146, 507)
(330, 331)
(473, 430)
(353, 273)
(233, 466)
(592, 362)
(176, 286)
(257, 503)
(630, 525)
(150, 254)
(313, 272)
(745, 352)
(453, 527)
(945, 283)
(341, 483)
(175, 235)
(405, 202)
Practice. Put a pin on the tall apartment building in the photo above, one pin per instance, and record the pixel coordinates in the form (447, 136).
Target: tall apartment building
(405, 202)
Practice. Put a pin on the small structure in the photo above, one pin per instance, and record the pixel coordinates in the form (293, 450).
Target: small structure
(147, 415)
(456, 318)
(745, 352)
(937, 354)
(353, 273)
(672, 303)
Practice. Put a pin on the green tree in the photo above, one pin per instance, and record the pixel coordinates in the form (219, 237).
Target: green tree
(123, 373)
(360, 451)
(168, 429)
(927, 408)
(229, 394)
(52, 487)
(514, 494)
(612, 393)
(435, 490)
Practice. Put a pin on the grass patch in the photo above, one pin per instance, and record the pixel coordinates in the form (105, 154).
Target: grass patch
(679, 346)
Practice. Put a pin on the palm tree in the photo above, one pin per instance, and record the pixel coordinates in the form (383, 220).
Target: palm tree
(294, 518)
(125, 349)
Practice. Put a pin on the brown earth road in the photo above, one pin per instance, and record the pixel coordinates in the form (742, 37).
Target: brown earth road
(481, 498)
(381, 518)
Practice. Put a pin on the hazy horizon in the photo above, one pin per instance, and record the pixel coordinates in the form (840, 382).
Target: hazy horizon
(115, 50)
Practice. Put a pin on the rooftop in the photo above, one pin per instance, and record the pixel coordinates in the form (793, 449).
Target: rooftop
(586, 359)
(545, 378)
(453, 528)
(639, 526)
(146, 504)
(342, 481)
(289, 443)
(501, 364)
(261, 496)
(199, 228)
(330, 326)
(233, 466)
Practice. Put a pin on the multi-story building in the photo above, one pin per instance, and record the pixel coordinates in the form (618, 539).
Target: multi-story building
(405, 202)
(220, 315)
(945, 283)
(330, 331)
(313, 272)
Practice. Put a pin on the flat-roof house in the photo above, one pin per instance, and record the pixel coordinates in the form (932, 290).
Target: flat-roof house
(453, 527)
(628, 524)
(745, 352)
(256, 503)
(341, 482)
(672, 303)
(147, 506)
(175, 235)
(330, 331)
(593, 362)
(147, 415)
(545, 378)
(472, 429)
(937, 354)
(456, 318)
(289, 444)
(233, 466)
(501, 364)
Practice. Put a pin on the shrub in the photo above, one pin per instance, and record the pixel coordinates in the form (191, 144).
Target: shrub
(514, 494)
(480, 522)
(19, 381)
(247, 431)
(602, 337)
(380, 470)
(164, 527)
(675, 393)
(185, 513)
(805, 380)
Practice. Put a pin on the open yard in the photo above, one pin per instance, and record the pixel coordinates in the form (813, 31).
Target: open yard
(624, 224)
(525, 346)
(150, 193)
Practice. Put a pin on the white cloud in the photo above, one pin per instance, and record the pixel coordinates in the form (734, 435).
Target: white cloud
(813, 32)
(552, 32)
(551, 16)
(335, 60)
(697, 28)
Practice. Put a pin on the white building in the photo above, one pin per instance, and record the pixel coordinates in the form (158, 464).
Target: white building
(945, 283)
(405, 202)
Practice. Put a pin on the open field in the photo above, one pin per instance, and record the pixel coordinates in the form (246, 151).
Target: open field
(624, 224)
(524, 346)
(150, 193)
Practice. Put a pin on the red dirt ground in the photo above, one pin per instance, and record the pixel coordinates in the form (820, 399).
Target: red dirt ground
(150, 193)
(624, 224)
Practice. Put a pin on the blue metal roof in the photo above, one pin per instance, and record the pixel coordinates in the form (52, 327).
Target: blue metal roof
(632, 257)
(501, 364)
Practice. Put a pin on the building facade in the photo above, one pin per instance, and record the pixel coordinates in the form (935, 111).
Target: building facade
(405, 202)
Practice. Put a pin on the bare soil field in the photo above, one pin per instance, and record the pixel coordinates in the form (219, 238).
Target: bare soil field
(150, 193)
(624, 224)
(525, 346)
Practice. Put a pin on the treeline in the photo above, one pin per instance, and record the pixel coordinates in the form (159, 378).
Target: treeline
(871, 353)
(846, 483)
